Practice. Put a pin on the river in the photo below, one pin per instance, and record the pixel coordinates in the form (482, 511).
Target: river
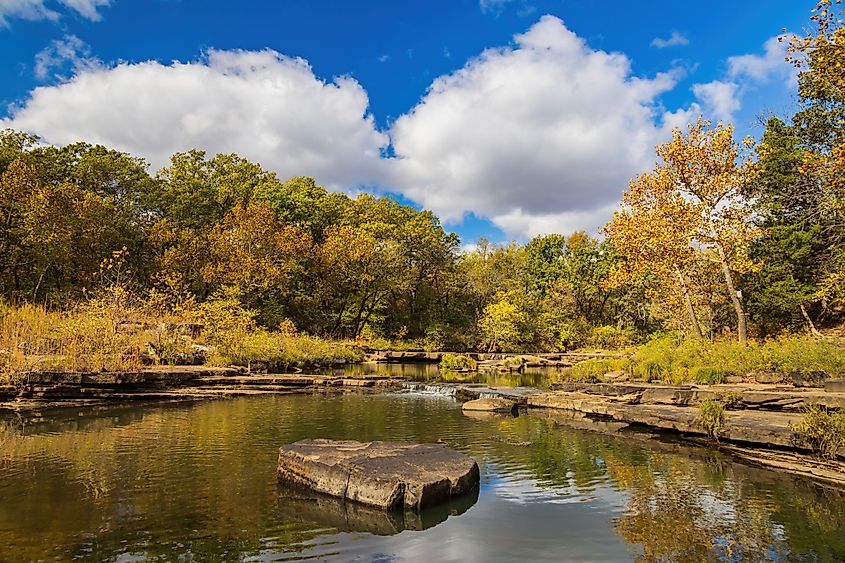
(196, 482)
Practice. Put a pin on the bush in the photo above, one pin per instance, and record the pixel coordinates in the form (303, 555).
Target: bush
(456, 362)
(611, 337)
(676, 360)
(707, 375)
(592, 370)
(711, 416)
(822, 430)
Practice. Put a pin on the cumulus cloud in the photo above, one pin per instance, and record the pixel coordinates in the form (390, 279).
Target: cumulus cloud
(70, 51)
(539, 137)
(35, 10)
(262, 105)
(676, 39)
(721, 99)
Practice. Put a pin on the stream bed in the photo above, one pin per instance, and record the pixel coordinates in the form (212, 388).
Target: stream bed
(197, 482)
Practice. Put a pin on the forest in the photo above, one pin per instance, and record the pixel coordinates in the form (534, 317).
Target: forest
(724, 240)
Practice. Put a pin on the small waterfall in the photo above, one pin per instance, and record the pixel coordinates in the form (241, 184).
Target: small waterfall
(441, 389)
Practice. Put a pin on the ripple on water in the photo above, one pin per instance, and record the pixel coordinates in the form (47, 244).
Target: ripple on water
(198, 481)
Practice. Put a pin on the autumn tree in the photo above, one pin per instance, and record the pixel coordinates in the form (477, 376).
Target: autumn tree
(693, 200)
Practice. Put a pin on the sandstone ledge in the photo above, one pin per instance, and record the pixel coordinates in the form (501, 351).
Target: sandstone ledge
(385, 475)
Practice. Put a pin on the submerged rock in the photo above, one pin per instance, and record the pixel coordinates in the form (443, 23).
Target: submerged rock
(386, 475)
(491, 404)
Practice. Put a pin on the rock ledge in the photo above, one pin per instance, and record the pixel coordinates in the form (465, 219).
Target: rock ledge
(386, 475)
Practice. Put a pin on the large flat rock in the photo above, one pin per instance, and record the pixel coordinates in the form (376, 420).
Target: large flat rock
(491, 404)
(385, 475)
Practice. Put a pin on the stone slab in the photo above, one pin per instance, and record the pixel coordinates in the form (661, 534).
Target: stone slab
(492, 404)
(385, 475)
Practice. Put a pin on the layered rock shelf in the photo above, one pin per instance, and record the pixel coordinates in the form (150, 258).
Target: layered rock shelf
(759, 421)
(384, 475)
(39, 389)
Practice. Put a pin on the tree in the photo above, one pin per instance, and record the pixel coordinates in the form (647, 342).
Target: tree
(693, 200)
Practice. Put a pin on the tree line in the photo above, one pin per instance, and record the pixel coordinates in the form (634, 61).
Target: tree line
(721, 236)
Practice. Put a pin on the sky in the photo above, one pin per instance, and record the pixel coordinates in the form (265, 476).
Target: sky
(507, 118)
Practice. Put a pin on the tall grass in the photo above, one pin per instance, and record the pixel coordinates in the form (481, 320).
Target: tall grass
(117, 332)
(678, 360)
(671, 359)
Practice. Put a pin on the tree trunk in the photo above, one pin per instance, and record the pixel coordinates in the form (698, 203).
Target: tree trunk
(688, 302)
(810, 324)
(741, 326)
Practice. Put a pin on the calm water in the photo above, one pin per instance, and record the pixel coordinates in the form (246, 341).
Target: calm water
(196, 482)
(540, 378)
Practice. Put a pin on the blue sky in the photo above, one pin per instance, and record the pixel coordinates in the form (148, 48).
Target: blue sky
(507, 118)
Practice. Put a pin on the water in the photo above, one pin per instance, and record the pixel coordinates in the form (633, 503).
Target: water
(539, 378)
(196, 482)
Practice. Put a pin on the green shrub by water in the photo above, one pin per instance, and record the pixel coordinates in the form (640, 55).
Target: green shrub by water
(822, 430)
(711, 416)
(671, 359)
(592, 370)
(455, 362)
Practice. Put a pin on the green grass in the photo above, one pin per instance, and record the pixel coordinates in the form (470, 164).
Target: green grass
(456, 362)
(590, 371)
(674, 360)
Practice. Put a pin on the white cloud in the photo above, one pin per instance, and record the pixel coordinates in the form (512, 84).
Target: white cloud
(492, 6)
(87, 8)
(676, 39)
(60, 53)
(35, 10)
(264, 106)
(540, 137)
(720, 99)
(32, 10)
(763, 68)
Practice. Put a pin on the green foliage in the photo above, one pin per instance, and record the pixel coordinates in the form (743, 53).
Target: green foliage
(822, 430)
(671, 359)
(711, 416)
(592, 370)
(457, 362)
(707, 375)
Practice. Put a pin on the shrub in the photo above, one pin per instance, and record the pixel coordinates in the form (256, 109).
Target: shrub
(455, 362)
(822, 430)
(707, 375)
(711, 416)
(592, 370)
(612, 337)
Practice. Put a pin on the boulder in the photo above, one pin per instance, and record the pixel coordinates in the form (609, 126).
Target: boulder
(385, 475)
(491, 404)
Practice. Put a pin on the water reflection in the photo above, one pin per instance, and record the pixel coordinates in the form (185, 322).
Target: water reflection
(296, 503)
(540, 377)
(198, 482)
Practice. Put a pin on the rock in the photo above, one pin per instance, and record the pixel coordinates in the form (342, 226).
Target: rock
(768, 377)
(734, 379)
(386, 475)
(809, 379)
(615, 377)
(834, 386)
(496, 404)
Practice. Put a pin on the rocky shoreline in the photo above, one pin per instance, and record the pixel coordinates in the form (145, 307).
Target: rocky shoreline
(759, 425)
